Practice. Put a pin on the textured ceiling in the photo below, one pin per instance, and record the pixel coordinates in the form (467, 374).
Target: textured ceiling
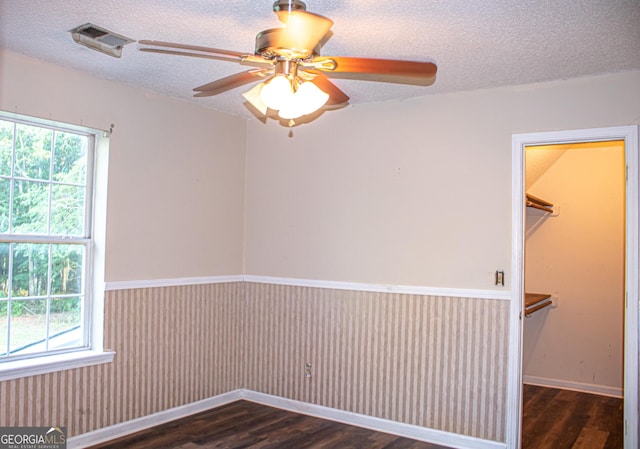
(476, 44)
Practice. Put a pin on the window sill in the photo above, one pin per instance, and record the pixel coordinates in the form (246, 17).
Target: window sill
(53, 363)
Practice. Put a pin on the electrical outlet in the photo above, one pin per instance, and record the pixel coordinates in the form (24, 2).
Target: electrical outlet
(307, 370)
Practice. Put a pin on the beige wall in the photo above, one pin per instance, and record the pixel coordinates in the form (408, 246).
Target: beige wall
(578, 256)
(176, 170)
(416, 192)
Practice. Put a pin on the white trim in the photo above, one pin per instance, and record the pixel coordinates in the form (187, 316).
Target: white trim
(449, 439)
(632, 289)
(601, 390)
(333, 285)
(129, 285)
(52, 363)
(145, 422)
(513, 415)
(632, 278)
(98, 249)
(381, 288)
(64, 126)
(380, 425)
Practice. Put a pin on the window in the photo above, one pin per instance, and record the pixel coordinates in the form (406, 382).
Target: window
(46, 191)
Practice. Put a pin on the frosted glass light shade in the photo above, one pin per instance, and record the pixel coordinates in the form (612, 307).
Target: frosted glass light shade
(311, 97)
(253, 98)
(307, 99)
(277, 92)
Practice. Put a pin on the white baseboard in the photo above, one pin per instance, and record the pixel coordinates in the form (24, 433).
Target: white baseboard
(433, 436)
(145, 422)
(381, 425)
(601, 390)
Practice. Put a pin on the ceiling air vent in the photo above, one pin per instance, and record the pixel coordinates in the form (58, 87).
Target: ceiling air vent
(97, 38)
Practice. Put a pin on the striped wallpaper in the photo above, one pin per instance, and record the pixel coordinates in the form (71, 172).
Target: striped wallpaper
(174, 346)
(437, 362)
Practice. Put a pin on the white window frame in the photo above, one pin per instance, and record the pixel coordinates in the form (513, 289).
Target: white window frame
(94, 353)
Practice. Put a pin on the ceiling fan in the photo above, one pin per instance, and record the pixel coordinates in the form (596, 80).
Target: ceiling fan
(295, 78)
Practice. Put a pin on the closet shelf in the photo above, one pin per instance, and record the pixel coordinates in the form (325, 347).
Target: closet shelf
(538, 203)
(537, 301)
(534, 302)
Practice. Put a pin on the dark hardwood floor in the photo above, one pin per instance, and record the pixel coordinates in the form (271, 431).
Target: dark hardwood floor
(552, 419)
(244, 424)
(563, 419)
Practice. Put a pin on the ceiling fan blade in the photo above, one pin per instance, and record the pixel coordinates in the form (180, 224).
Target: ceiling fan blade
(250, 60)
(336, 96)
(368, 69)
(192, 54)
(228, 83)
(303, 31)
(216, 51)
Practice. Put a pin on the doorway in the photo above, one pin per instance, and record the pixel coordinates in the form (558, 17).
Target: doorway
(629, 138)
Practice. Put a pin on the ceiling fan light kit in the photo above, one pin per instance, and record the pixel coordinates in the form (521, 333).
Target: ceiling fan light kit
(295, 78)
(307, 99)
(289, 94)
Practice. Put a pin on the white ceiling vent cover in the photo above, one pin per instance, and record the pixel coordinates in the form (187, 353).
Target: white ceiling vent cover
(100, 39)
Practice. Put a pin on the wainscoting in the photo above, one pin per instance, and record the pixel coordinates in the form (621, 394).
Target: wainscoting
(174, 346)
(438, 362)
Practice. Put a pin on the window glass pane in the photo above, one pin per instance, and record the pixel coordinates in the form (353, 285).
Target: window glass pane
(6, 148)
(33, 152)
(4, 271)
(3, 328)
(5, 197)
(43, 197)
(30, 207)
(28, 331)
(30, 269)
(70, 158)
(67, 268)
(65, 317)
(67, 210)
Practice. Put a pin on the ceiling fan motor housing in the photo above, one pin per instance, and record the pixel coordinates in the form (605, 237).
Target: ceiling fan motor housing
(267, 46)
(289, 5)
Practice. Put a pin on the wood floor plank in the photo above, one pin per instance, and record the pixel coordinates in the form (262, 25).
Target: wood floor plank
(591, 439)
(562, 419)
(608, 414)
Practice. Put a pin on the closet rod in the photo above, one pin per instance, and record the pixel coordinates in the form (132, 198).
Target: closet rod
(537, 206)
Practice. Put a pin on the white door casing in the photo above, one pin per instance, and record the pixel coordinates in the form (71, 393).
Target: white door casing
(631, 335)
